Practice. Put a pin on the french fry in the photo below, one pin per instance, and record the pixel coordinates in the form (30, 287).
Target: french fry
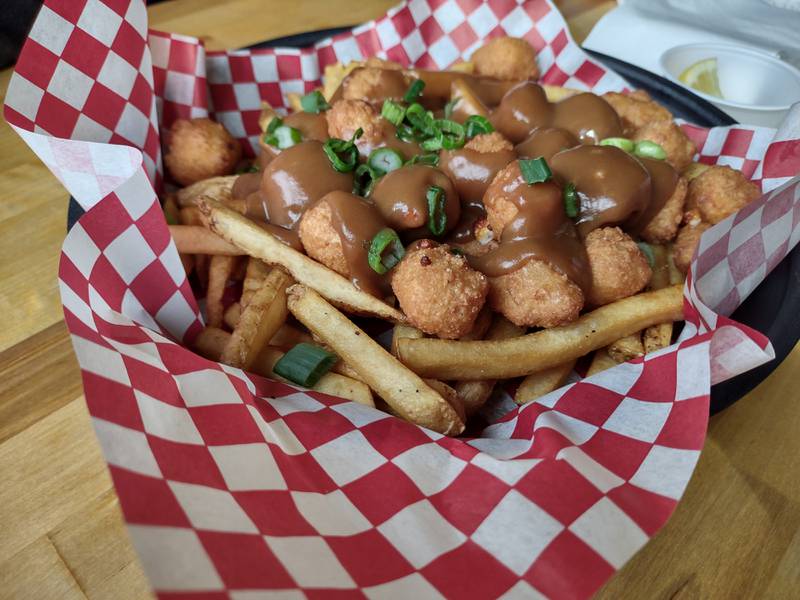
(219, 271)
(556, 93)
(463, 67)
(333, 76)
(450, 395)
(693, 170)
(468, 102)
(189, 215)
(675, 275)
(658, 336)
(232, 314)
(293, 99)
(490, 359)
(188, 261)
(258, 243)
(600, 362)
(288, 336)
(254, 277)
(210, 342)
(474, 393)
(218, 188)
(402, 389)
(538, 384)
(404, 331)
(196, 239)
(259, 321)
(267, 114)
(201, 262)
(627, 348)
(171, 210)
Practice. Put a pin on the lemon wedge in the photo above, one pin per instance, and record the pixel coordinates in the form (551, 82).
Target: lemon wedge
(702, 76)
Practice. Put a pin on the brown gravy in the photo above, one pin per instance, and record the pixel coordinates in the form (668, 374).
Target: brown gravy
(357, 222)
(664, 180)
(612, 185)
(546, 142)
(524, 108)
(588, 117)
(472, 171)
(400, 196)
(297, 177)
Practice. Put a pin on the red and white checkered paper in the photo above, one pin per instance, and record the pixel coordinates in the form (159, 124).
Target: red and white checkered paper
(234, 486)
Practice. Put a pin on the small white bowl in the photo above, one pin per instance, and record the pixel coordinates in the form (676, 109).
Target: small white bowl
(758, 88)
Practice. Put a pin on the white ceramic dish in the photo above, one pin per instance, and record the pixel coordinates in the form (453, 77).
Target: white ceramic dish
(758, 88)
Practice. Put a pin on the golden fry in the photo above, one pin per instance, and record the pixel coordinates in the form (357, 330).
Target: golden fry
(481, 325)
(260, 319)
(626, 348)
(659, 336)
(446, 359)
(475, 392)
(211, 342)
(600, 362)
(405, 391)
(189, 215)
(463, 67)
(538, 384)
(694, 170)
(232, 314)
(288, 336)
(468, 102)
(218, 188)
(556, 93)
(267, 114)
(404, 331)
(256, 242)
(254, 277)
(219, 271)
(196, 239)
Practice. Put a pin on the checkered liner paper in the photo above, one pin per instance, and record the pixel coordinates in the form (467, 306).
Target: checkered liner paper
(236, 486)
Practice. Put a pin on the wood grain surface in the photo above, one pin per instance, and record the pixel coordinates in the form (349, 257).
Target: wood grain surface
(736, 533)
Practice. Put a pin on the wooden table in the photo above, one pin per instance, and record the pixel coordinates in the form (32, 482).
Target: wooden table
(735, 534)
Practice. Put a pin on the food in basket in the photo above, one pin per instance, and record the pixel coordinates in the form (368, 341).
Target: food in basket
(503, 228)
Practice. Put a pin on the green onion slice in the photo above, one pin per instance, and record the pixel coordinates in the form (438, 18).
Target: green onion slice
(452, 134)
(433, 144)
(406, 133)
(393, 112)
(274, 124)
(437, 217)
(171, 219)
(648, 253)
(343, 154)
(384, 160)
(385, 251)
(535, 170)
(305, 364)
(429, 158)
(420, 119)
(476, 124)
(450, 107)
(619, 142)
(414, 91)
(364, 180)
(249, 169)
(571, 204)
(284, 137)
(648, 149)
(314, 102)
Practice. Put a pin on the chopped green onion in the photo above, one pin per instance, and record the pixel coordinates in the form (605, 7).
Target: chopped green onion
(535, 170)
(383, 160)
(648, 253)
(274, 124)
(171, 219)
(414, 91)
(456, 251)
(364, 180)
(452, 134)
(437, 217)
(406, 133)
(420, 119)
(343, 154)
(450, 107)
(476, 124)
(432, 144)
(393, 112)
(314, 102)
(619, 142)
(253, 168)
(385, 251)
(648, 149)
(305, 364)
(571, 205)
(284, 137)
(431, 159)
